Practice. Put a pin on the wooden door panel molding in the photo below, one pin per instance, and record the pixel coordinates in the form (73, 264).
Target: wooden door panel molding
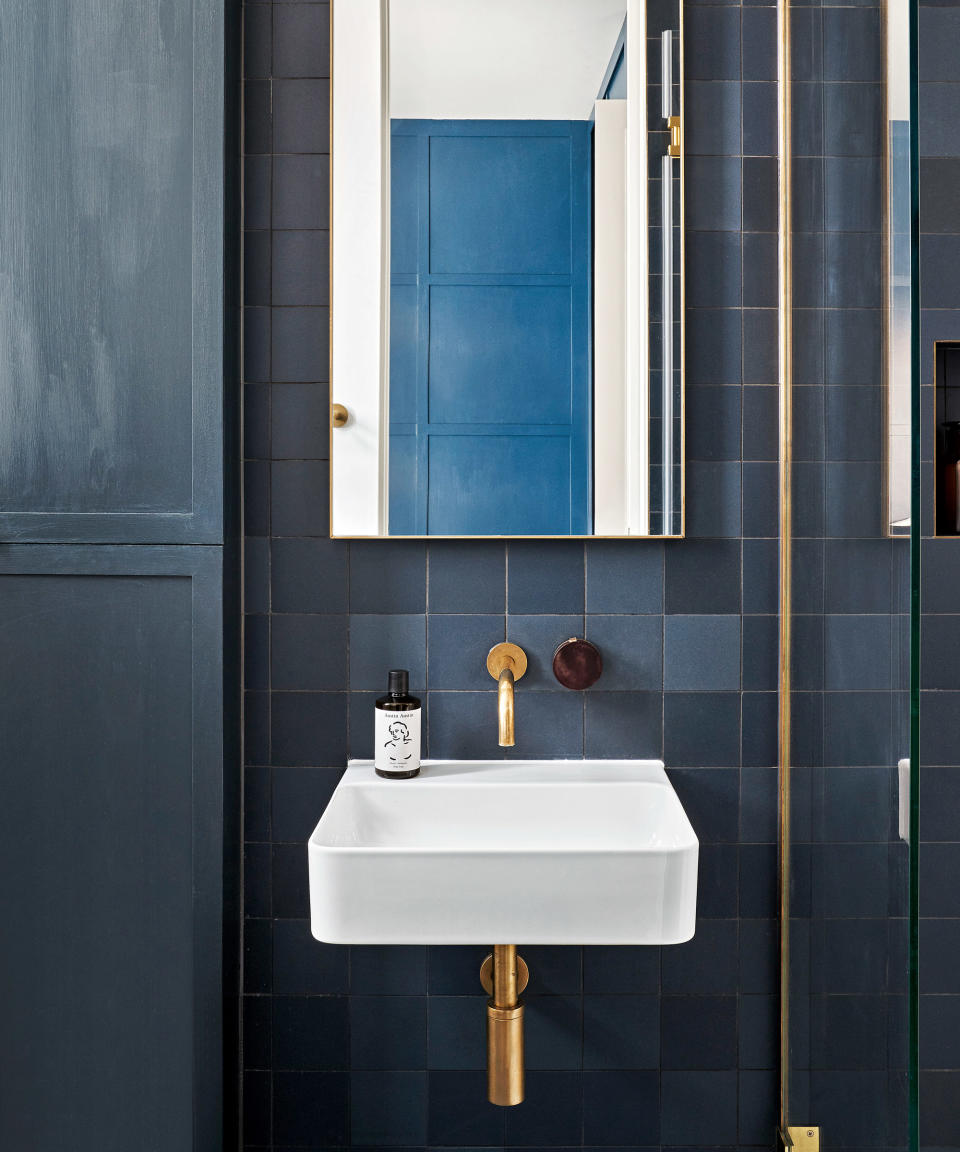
(111, 847)
(111, 229)
(490, 389)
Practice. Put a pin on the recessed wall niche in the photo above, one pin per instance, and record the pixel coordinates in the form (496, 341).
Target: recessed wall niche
(946, 360)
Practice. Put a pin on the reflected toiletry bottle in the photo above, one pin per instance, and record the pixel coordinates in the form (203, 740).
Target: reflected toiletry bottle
(949, 507)
(397, 729)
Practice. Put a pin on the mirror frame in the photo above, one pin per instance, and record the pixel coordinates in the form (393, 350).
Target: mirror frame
(359, 280)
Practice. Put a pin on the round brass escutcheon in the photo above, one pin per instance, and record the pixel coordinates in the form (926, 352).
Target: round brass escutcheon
(506, 655)
(338, 415)
(486, 975)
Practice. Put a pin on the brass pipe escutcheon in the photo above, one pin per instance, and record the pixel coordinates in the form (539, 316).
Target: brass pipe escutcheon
(505, 1072)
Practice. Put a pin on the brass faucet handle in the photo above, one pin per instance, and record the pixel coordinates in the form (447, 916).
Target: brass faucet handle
(506, 656)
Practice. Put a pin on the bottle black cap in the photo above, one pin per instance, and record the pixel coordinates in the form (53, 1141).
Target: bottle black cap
(398, 682)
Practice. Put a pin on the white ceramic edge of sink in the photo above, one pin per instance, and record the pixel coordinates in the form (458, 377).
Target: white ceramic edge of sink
(361, 773)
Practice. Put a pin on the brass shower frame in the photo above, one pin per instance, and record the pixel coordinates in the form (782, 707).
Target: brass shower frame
(806, 1137)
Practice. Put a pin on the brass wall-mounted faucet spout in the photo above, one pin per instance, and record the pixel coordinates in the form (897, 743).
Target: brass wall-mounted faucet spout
(506, 663)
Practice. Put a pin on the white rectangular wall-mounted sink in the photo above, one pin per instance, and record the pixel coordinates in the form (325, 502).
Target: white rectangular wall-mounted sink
(527, 852)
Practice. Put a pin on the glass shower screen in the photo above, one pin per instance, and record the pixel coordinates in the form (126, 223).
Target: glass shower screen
(844, 776)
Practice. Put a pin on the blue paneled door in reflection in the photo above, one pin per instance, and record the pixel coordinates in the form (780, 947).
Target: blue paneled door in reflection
(490, 322)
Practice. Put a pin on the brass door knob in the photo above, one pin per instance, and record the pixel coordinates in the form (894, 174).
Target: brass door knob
(338, 415)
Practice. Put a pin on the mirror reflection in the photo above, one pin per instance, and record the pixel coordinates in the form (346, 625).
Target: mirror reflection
(532, 264)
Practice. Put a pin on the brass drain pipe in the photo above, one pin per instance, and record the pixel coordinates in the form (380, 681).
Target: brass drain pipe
(504, 975)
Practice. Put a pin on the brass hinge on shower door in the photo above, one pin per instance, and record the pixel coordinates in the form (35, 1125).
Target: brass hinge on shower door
(675, 127)
(803, 1138)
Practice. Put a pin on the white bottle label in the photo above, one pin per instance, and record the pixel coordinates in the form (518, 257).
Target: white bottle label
(397, 740)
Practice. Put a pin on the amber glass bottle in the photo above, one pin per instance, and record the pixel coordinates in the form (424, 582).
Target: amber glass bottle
(397, 729)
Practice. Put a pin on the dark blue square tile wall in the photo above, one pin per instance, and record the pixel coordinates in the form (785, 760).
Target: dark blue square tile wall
(636, 1048)
(940, 559)
(848, 594)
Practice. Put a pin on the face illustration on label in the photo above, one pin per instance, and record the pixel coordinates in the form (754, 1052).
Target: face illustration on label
(399, 739)
(399, 732)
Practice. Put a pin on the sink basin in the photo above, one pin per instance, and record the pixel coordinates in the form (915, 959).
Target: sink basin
(490, 852)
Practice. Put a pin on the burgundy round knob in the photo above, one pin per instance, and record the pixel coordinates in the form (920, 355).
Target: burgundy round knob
(577, 664)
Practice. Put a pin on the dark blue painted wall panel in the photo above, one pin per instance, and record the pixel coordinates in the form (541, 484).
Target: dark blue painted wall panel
(404, 350)
(502, 205)
(110, 848)
(111, 225)
(490, 322)
(405, 200)
(119, 289)
(474, 480)
(403, 483)
(501, 355)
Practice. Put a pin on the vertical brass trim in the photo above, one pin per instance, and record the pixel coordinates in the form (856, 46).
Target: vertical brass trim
(683, 280)
(785, 333)
(886, 272)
